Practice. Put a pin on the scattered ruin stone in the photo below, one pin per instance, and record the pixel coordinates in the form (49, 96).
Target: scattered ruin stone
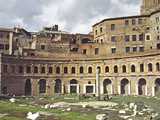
(101, 117)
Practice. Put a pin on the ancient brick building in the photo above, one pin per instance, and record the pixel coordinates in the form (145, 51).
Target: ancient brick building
(125, 50)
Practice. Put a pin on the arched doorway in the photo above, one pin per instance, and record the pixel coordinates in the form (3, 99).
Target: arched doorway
(125, 87)
(58, 86)
(73, 86)
(157, 87)
(107, 86)
(42, 86)
(28, 87)
(141, 86)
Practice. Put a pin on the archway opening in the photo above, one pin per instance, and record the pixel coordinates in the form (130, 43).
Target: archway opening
(107, 86)
(58, 86)
(141, 86)
(73, 86)
(125, 87)
(42, 86)
(157, 87)
(28, 87)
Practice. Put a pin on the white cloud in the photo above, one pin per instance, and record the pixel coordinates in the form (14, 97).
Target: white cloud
(72, 15)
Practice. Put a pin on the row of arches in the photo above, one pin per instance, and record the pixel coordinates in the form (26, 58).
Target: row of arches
(107, 86)
(90, 69)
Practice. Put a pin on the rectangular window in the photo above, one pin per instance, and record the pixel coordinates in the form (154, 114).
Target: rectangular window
(127, 49)
(134, 37)
(113, 50)
(158, 37)
(6, 47)
(21, 70)
(101, 30)
(127, 38)
(158, 46)
(113, 38)
(84, 51)
(141, 49)
(96, 51)
(141, 37)
(147, 37)
(1, 47)
(42, 47)
(133, 21)
(112, 26)
(140, 21)
(134, 49)
(126, 22)
(28, 69)
(96, 32)
(13, 69)
(5, 68)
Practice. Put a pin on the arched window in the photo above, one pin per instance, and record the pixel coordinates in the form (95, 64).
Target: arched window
(133, 68)
(50, 70)
(43, 70)
(81, 70)
(157, 67)
(57, 70)
(99, 68)
(42, 86)
(65, 70)
(115, 69)
(90, 70)
(124, 69)
(35, 69)
(106, 69)
(73, 70)
(150, 67)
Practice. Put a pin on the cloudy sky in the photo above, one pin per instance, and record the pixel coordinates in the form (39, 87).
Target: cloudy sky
(75, 16)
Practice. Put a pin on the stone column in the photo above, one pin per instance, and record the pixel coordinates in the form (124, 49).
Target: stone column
(69, 91)
(129, 89)
(10, 43)
(62, 87)
(84, 89)
(153, 91)
(97, 89)
(136, 88)
(119, 89)
(78, 86)
(146, 90)
(111, 89)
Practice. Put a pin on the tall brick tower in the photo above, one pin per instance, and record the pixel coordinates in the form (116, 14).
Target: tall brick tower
(149, 6)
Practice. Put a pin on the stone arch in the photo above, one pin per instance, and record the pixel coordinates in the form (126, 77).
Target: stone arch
(28, 87)
(107, 86)
(74, 88)
(125, 87)
(58, 86)
(157, 87)
(142, 86)
(42, 86)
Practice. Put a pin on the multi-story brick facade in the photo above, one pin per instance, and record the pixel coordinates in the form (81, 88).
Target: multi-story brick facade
(124, 49)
